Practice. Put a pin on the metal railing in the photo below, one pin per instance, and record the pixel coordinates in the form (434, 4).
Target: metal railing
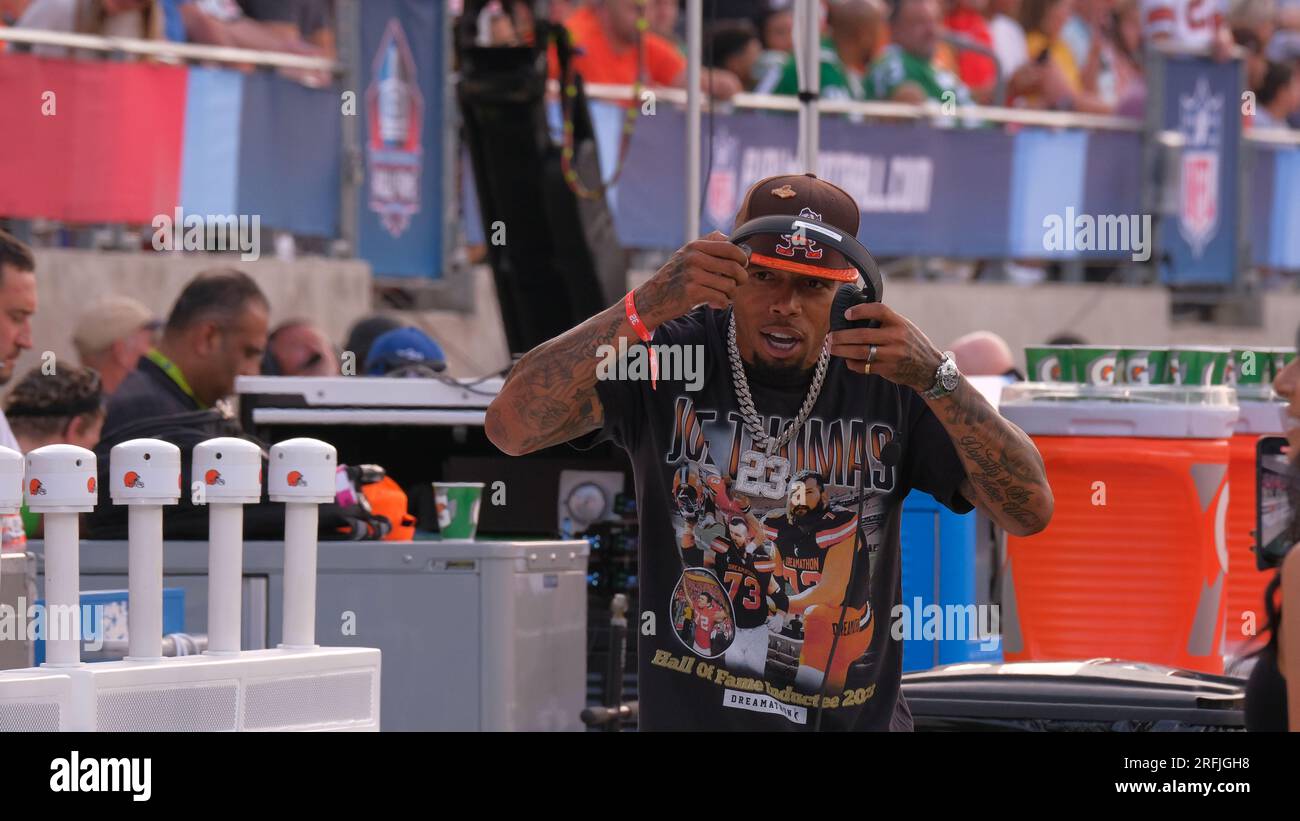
(168, 50)
(930, 110)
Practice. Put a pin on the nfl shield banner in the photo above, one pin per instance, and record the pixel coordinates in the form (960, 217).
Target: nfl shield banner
(1201, 101)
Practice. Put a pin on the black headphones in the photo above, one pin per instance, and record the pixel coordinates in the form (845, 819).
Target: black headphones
(846, 296)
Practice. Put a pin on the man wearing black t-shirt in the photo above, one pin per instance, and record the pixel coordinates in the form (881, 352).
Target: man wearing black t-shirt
(788, 429)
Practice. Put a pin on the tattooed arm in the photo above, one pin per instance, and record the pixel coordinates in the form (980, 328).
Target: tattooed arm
(1005, 477)
(550, 395)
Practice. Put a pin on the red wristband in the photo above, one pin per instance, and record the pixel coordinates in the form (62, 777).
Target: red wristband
(634, 319)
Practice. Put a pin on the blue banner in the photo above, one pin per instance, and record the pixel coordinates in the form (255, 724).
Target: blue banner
(1202, 101)
(290, 155)
(400, 103)
(967, 193)
(258, 143)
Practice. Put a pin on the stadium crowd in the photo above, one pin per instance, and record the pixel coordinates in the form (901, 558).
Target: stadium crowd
(1067, 55)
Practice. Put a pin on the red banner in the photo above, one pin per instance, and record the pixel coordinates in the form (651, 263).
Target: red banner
(89, 141)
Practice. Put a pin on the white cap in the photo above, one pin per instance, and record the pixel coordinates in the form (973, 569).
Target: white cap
(302, 470)
(230, 470)
(144, 472)
(11, 480)
(61, 479)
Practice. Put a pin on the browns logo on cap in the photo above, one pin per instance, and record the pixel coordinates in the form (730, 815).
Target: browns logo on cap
(801, 195)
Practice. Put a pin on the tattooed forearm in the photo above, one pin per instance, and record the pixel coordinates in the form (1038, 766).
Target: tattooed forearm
(550, 395)
(1004, 472)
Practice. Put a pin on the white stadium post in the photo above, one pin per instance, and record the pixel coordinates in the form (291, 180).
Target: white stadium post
(60, 484)
(227, 473)
(11, 481)
(144, 474)
(301, 474)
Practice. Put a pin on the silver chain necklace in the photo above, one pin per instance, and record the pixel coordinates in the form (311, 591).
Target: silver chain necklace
(746, 400)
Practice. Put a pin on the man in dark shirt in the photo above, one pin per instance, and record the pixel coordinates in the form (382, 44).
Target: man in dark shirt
(795, 421)
(216, 331)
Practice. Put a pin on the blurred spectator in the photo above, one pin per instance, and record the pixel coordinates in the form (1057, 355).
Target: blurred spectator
(906, 71)
(307, 21)
(983, 353)
(1124, 42)
(405, 352)
(363, 334)
(1277, 97)
(61, 408)
(1007, 34)
(299, 348)
(605, 33)
(1253, 47)
(216, 331)
(112, 335)
(662, 16)
(734, 46)
(1063, 87)
(775, 24)
(224, 23)
(109, 18)
(1190, 25)
(17, 305)
(1087, 33)
(856, 33)
(979, 73)
(64, 407)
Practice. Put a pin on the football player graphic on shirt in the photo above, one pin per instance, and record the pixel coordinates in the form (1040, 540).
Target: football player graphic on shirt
(702, 498)
(706, 620)
(814, 541)
(705, 624)
(747, 571)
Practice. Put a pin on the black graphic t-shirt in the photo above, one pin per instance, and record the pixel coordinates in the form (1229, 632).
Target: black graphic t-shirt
(752, 599)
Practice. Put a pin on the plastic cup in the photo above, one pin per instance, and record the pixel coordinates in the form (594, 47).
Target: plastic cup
(1144, 366)
(1281, 358)
(457, 504)
(1095, 365)
(1249, 366)
(1198, 364)
(1049, 363)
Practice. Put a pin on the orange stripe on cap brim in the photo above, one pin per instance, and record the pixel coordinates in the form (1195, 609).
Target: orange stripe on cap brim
(837, 274)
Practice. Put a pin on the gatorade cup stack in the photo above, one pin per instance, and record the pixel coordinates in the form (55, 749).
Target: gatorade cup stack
(1134, 562)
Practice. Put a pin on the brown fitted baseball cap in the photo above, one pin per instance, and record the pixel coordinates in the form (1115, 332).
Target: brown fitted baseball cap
(803, 195)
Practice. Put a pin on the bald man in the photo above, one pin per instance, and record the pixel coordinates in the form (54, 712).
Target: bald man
(983, 353)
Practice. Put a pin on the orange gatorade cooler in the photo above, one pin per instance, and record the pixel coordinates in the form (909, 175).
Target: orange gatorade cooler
(1134, 563)
(1245, 607)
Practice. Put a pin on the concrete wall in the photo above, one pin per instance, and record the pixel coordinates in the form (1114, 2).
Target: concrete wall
(1023, 315)
(337, 292)
(332, 292)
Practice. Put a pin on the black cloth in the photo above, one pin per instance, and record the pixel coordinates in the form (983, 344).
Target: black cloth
(1266, 705)
(854, 416)
(149, 404)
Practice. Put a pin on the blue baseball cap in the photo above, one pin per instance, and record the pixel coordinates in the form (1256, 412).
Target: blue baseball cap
(404, 348)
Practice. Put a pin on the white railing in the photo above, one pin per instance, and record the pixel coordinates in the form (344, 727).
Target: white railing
(167, 50)
(925, 111)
